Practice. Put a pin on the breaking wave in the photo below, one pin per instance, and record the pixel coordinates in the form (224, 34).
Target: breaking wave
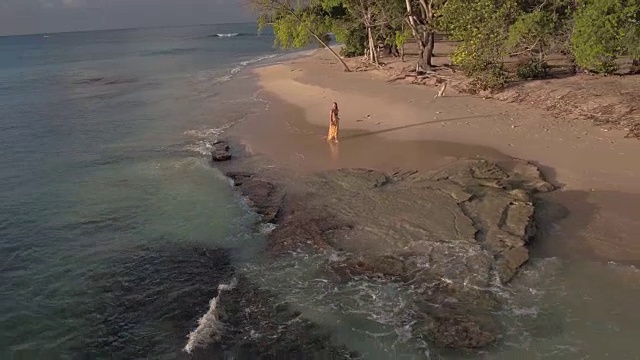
(243, 65)
(202, 139)
(209, 77)
(209, 325)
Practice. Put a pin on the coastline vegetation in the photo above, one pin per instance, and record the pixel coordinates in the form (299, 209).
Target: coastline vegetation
(595, 36)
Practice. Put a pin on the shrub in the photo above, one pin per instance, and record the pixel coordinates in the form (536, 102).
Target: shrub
(604, 31)
(534, 68)
(481, 26)
(354, 40)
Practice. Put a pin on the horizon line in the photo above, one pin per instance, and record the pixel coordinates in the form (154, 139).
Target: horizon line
(124, 28)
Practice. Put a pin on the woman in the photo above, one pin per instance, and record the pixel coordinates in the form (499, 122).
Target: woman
(334, 123)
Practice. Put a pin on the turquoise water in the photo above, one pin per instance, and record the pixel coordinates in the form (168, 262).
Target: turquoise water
(109, 215)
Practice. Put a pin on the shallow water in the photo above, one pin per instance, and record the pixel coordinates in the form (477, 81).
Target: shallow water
(109, 213)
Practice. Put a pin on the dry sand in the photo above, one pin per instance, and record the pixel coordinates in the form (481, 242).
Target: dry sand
(386, 126)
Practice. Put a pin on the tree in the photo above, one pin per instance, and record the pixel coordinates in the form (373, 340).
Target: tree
(373, 16)
(421, 17)
(542, 26)
(482, 28)
(294, 24)
(604, 31)
(395, 32)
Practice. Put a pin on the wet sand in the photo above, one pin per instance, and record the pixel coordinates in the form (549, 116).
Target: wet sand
(389, 126)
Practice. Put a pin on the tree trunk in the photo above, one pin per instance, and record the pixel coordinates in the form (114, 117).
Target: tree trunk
(372, 46)
(635, 66)
(420, 66)
(292, 13)
(402, 53)
(395, 50)
(344, 64)
(428, 50)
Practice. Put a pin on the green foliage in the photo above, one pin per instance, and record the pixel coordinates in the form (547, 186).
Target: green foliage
(401, 37)
(604, 31)
(534, 68)
(354, 40)
(293, 26)
(491, 77)
(542, 26)
(594, 33)
(482, 27)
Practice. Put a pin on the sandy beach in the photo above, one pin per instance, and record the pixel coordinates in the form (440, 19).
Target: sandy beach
(386, 126)
(374, 200)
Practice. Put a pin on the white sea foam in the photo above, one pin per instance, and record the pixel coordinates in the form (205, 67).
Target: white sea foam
(206, 78)
(267, 228)
(204, 138)
(209, 325)
(241, 66)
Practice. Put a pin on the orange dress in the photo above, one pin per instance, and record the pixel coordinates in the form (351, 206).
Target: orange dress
(334, 126)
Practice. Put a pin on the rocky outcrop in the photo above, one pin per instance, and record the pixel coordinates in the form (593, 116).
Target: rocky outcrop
(450, 234)
(220, 152)
(262, 195)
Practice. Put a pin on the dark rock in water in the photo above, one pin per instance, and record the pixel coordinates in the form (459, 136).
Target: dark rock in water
(461, 332)
(220, 152)
(263, 196)
(219, 156)
(449, 233)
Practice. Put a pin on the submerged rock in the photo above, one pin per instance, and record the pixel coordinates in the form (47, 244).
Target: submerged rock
(262, 195)
(220, 152)
(450, 234)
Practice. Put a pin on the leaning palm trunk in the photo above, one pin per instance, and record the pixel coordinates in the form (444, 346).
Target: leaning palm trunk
(324, 44)
(269, 7)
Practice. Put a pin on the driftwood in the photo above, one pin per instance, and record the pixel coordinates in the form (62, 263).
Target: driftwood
(442, 90)
(633, 132)
(417, 78)
(365, 64)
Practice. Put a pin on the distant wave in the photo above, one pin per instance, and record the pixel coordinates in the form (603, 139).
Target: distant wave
(104, 81)
(229, 35)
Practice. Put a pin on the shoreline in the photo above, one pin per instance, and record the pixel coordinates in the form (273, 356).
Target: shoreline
(449, 237)
(291, 177)
(383, 127)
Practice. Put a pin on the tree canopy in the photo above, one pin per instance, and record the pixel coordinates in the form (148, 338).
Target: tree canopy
(594, 34)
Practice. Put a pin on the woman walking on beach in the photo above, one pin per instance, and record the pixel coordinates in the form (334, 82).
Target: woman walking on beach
(334, 123)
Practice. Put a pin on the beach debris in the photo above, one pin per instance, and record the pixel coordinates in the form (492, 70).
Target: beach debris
(442, 90)
(220, 152)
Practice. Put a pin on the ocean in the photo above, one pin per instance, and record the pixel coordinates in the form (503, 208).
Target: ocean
(115, 230)
(109, 212)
